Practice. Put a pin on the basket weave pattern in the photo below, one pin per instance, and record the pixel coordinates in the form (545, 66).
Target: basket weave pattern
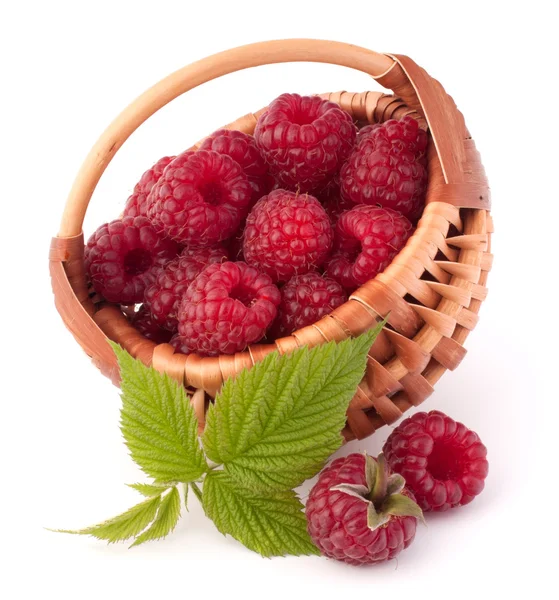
(432, 291)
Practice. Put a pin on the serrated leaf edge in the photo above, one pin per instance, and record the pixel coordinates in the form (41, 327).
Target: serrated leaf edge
(170, 502)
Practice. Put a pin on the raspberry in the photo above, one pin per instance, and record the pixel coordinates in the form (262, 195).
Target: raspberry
(305, 140)
(304, 300)
(137, 205)
(146, 325)
(345, 512)
(386, 168)
(228, 306)
(123, 257)
(200, 199)
(405, 133)
(163, 296)
(287, 234)
(367, 238)
(242, 148)
(443, 461)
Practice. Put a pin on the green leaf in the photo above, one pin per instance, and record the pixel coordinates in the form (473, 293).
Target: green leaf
(147, 489)
(272, 525)
(126, 525)
(166, 519)
(274, 425)
(196, 491)
(158, 423)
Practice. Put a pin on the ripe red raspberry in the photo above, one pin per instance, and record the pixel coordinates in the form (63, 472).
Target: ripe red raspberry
(305, 140)
(360, 514)
(123, 257)
(146, 325)
(242, 148)
(443, 462)
(137, 205)
(163, 296)
(405, 133)
(304, 300)
(228, 306)
(386, 168)
(287, 234)
(200, 199)
(367, 239)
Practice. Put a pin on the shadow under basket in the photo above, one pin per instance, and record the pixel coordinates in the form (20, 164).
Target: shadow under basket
(432, 291)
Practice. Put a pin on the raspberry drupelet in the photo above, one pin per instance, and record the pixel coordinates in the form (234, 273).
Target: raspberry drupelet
(305, 140)
(200, 199)
(227, 307)
(287, 234)
(122, 258)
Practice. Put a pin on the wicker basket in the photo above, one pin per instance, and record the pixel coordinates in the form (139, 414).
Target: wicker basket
(433, 289)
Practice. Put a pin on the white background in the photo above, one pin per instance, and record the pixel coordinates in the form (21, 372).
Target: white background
(68, 68)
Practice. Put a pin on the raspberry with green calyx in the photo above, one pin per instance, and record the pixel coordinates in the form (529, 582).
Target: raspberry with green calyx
(359, 513)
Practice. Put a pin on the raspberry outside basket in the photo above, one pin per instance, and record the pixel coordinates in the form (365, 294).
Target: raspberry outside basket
(432, 291)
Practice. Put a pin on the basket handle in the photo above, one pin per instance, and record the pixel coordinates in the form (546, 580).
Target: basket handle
(191, 76)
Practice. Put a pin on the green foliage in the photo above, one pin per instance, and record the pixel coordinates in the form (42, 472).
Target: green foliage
(271, 427)
(274, 426)
(272, 524)
(125, 526)
(158, 423)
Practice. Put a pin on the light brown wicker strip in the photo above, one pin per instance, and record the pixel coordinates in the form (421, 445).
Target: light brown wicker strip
(431, 292)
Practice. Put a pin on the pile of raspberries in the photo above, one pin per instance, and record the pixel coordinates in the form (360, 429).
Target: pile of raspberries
(253, 237)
